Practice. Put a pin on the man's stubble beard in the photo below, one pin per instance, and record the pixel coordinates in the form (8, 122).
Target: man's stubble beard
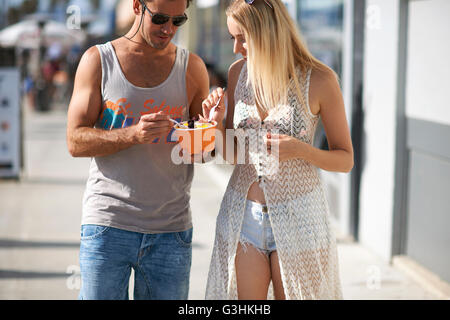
(158, 46)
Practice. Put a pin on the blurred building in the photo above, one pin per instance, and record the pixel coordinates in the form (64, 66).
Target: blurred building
(404, 205)
(97, 17)
(392, 57)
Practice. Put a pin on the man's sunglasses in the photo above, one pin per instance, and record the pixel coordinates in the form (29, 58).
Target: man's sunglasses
(160, 18)
(266, 1)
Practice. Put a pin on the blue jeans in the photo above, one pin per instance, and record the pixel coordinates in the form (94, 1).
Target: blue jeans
(161, 263)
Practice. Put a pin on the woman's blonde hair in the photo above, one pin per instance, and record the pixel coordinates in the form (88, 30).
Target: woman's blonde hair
(274, 50)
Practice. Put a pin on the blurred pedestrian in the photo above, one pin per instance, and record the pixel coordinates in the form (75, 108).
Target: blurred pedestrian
(50, 67)
(27, 78)
(136, 211)
(273, 225)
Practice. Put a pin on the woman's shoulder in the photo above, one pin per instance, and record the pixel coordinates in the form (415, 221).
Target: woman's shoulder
(322, 77)
(233, 73)
(324, 87)
(235, 68)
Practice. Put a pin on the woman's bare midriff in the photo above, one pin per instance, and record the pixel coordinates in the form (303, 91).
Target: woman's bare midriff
(256, 194)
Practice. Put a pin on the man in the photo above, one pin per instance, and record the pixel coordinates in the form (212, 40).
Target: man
(136, 210)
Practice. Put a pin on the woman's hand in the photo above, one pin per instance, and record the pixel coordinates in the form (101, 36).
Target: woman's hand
(210, 102)
(285, 146)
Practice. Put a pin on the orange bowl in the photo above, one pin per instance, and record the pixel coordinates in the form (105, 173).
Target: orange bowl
(196, 140)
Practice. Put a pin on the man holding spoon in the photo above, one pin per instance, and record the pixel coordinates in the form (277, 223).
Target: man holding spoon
(136, 211)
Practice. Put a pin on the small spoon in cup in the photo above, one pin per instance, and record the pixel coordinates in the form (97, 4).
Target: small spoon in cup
(174, 121)
(214, 108)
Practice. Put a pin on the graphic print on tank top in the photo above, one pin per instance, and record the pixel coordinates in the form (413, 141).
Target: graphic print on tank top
(124, 103)
(119, 114)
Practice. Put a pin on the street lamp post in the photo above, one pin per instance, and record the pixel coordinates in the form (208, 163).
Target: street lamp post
(41, 86)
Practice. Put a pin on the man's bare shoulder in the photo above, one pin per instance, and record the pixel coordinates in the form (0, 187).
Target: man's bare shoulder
(90, 66)
(197, 83)
(195, 64)
(196, 71)
(91, 56)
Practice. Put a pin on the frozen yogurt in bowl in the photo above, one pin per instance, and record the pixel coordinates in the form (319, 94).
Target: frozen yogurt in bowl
(196, 136)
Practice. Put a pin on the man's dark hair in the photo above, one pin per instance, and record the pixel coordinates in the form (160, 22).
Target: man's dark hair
(188, 2)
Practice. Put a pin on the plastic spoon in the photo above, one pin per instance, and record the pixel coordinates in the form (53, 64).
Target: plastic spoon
(174, 121)
(214, 108)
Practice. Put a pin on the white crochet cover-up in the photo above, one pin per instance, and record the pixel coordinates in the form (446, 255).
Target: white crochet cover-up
(296, 202)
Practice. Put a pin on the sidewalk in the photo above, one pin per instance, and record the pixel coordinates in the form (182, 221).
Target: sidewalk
(40, 221)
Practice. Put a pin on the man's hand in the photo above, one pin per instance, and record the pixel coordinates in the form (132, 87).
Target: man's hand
(152, 126)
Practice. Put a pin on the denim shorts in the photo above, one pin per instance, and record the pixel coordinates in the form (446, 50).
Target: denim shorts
(256, 229)
(161, 264)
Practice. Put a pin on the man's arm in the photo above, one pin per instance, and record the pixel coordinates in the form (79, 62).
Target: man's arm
(83, 140)
(197, 87)
(197, 84)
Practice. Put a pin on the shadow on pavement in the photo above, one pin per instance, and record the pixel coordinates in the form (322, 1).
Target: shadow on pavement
(10, 243)
(5, 274)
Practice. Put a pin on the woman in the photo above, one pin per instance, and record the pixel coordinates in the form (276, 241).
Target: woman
(273, 225)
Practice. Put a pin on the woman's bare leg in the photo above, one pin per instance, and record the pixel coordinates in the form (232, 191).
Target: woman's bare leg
(276, 277)
(252, 273)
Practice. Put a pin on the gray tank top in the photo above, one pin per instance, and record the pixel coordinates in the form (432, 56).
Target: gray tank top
(139, 189)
